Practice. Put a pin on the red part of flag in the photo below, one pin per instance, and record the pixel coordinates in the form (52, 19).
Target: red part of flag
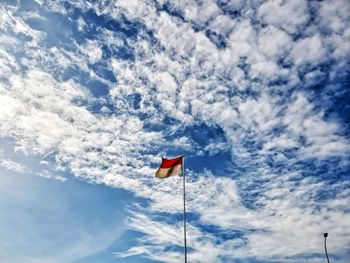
(168, 163)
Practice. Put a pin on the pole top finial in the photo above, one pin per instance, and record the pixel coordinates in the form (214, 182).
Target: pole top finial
(325, 234)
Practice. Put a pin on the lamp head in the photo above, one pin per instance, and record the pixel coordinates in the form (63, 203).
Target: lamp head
(325, 234)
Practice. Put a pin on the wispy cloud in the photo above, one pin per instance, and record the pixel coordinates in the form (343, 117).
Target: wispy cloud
(12, 166)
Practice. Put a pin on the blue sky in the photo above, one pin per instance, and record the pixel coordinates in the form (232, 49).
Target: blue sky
(94, 93)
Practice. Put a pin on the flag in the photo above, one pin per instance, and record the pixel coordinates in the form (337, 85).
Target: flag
(169, 167)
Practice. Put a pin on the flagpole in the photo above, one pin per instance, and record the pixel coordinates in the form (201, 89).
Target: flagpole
(184, 217)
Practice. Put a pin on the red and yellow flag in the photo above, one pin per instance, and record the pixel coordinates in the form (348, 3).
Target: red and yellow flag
(169, 167)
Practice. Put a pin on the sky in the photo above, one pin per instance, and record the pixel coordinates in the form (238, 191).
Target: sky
(255, 93)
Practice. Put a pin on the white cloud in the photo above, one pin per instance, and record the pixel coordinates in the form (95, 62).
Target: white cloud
(222, 24)
(92, 50)
(265, 70)
(81, 24)
(274, 43)
(176, 37)
(12, 166)
(242, 40)
(50, 175)
(308, 51)
(16, 25)
(334, 15)
(321, 137)
(197, 12)
(290, 16)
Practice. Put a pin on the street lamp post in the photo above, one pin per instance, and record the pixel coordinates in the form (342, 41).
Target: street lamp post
(325, 245)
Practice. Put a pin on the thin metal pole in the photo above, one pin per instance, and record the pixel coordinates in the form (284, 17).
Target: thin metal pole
(184, 190)
(325, 245)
